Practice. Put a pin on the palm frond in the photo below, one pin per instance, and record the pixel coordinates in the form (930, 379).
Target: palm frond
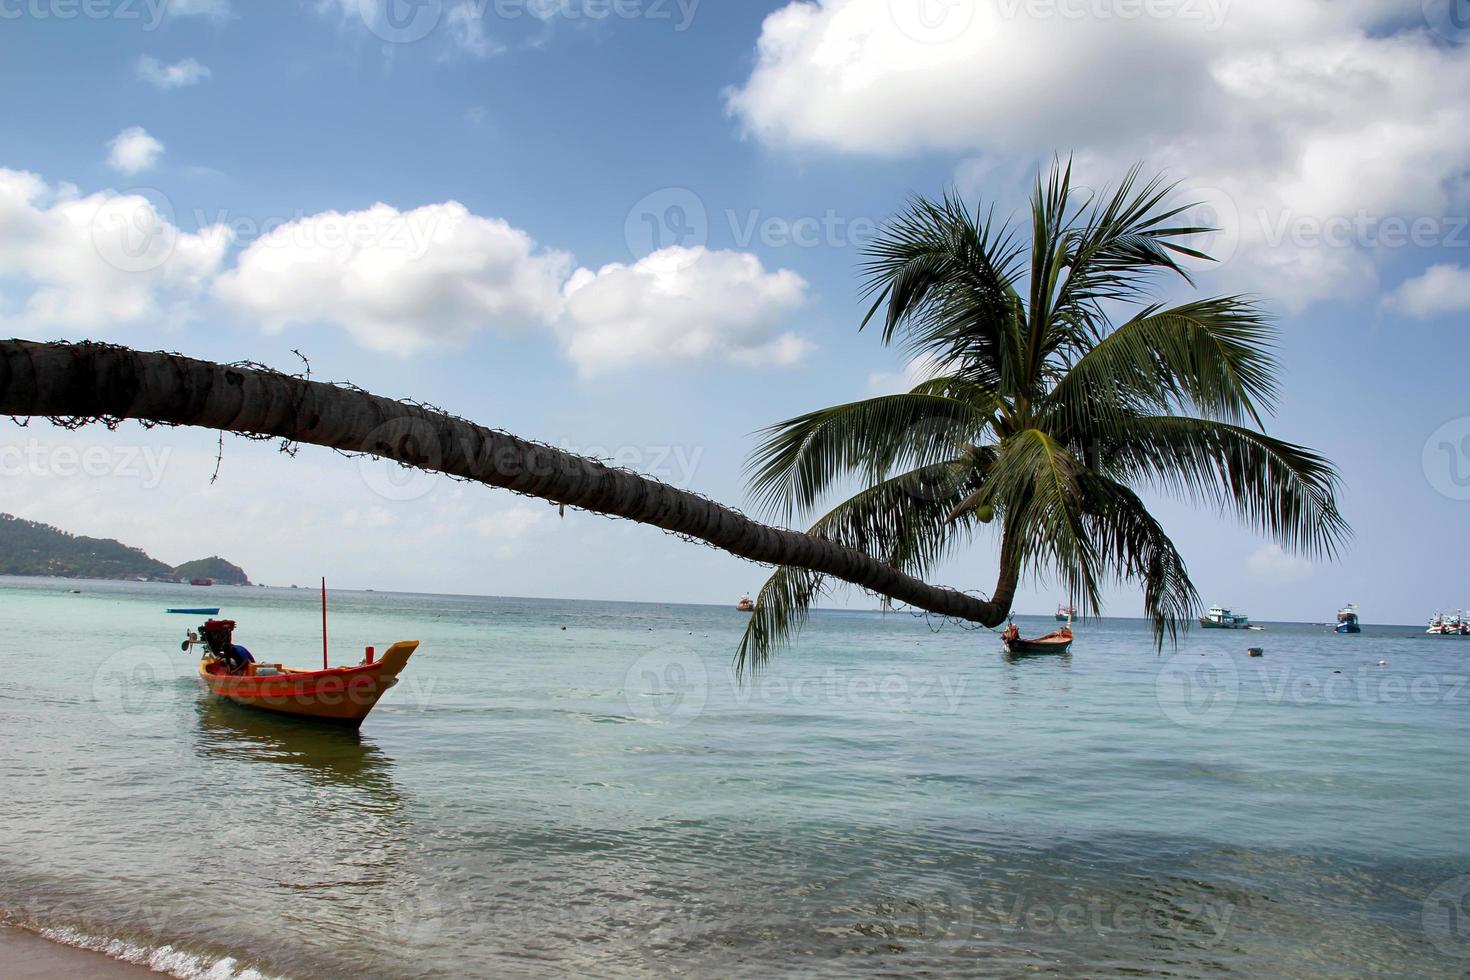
(1035, 480)
(799, 460)
(945, 280)
(1124, 241)
(906, 519)
(1281, 490)
(1130, 542)
(1213, 356)
(781, 610)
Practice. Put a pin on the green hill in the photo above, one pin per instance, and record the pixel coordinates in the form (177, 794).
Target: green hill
(31, 548)
(215, 568)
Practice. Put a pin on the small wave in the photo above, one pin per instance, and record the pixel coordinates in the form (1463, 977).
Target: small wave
(164, 959)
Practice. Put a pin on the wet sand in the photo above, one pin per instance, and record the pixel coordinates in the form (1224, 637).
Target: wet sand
(26, 956)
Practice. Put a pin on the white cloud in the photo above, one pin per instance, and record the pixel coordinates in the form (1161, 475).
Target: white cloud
(1290, 115)
(1271, 562)
(1441, 289)
(681, 304)
(177, 75)
(102, 259)
(133, 151)
(398, 281)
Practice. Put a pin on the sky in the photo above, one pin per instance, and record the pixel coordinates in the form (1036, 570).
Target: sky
(633, 229)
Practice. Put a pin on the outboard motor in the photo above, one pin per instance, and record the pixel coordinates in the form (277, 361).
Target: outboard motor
(218, 637)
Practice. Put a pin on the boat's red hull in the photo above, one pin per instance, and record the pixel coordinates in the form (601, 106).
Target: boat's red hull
(342, 695)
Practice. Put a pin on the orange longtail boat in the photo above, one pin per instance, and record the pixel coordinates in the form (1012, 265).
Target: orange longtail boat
(1059, 641)
(339, 695)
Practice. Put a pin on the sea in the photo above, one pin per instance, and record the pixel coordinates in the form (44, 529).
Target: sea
(562, 788)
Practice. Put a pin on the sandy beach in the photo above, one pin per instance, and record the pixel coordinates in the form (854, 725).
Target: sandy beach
(27, 956)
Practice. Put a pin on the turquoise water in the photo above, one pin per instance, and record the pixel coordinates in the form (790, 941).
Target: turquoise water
(604, 799)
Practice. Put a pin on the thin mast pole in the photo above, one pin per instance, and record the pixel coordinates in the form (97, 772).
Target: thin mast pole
(324, 622)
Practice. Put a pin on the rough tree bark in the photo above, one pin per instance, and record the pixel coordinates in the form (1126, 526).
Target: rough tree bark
(103, 382)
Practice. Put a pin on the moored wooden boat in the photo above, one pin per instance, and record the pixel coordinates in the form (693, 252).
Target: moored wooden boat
(1059, 641)
(340, 695)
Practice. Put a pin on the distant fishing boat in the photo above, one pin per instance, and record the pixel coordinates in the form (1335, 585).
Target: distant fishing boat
(201, 581)
(1347, 619)
(1065, 613)
(746, 604)
(1220, 618)
(202, 611)
(1056, 642)
(1449, 624)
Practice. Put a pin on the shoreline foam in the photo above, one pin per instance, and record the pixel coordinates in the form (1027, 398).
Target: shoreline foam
(52, 953)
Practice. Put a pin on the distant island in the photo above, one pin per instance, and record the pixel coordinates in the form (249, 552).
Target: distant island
(32, 548)
(215, 568)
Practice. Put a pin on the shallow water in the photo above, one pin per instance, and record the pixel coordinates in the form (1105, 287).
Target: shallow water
(605, 799)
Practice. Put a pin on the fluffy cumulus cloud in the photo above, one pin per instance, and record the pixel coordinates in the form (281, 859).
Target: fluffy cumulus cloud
(180, 74)
(681, 304)
(133, 151)
(1314, 130)
(434, 277)
(437, 276)
(1441, 289)
(98, 260)
(398, 281)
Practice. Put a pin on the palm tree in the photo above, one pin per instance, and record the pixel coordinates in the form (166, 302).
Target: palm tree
(1062, 389)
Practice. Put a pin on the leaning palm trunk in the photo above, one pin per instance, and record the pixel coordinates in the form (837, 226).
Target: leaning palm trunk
(95, 382)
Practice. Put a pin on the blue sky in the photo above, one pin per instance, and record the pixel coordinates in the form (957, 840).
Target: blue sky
(633, 229)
